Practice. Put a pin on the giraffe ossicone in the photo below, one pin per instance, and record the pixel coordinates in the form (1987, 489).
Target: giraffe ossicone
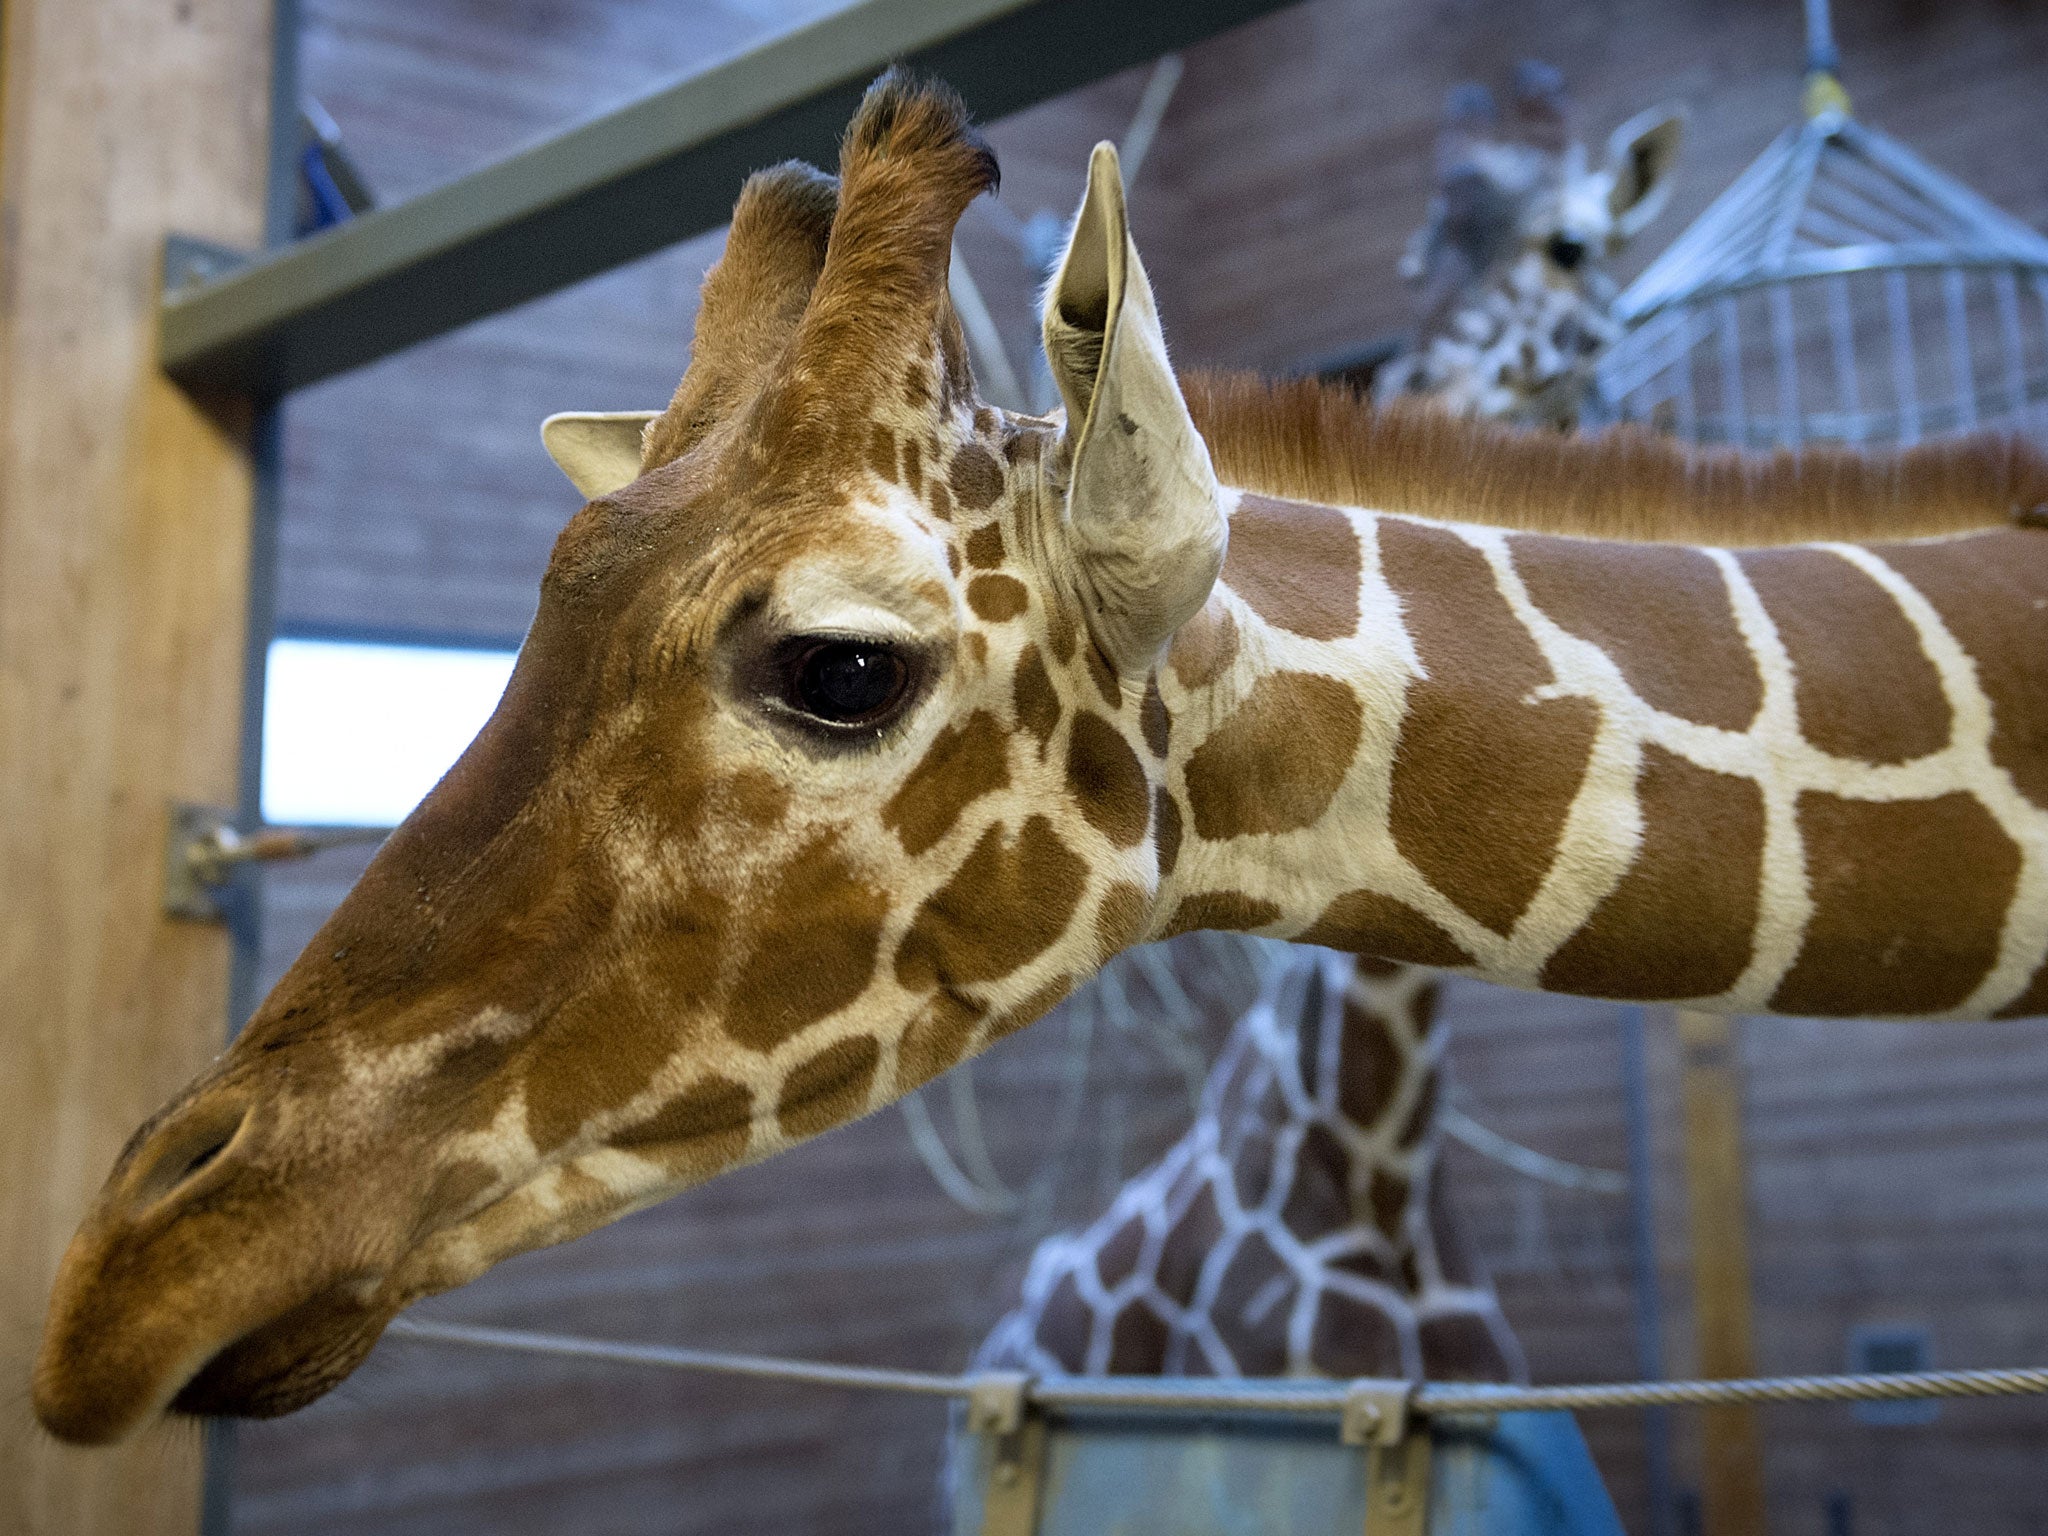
(853, 733)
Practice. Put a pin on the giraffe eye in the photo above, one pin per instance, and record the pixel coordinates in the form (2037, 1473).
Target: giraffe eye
(847, 682)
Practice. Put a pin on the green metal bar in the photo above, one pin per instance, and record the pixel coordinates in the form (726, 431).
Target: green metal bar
(633, 181)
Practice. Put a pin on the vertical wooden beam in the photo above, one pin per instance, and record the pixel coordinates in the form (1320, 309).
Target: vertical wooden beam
(124, 526)
(1732, 1495)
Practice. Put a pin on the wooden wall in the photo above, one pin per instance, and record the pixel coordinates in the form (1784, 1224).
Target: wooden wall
(1898, 1173)
(123, 552)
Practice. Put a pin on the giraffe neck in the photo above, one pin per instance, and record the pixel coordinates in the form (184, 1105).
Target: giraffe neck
(1297, 1228)
(1745, 780)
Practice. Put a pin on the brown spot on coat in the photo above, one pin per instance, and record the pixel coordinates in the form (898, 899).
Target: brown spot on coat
(1118, 1257)
(917, 385)
(1864, 689)
(939, 500)
(1351, 1338)
(1909, 898)
(1461, 1345)
(1296, 565)
(603, 1048)
(760, 800)
(1038, 706)
(1041, 1001)
(1483, 779)
(997, 599)
(1907, 904)
(1278, 760)
(1153, 719)
(936, 1038)
(1369, 923)
(1060, 632)
(1661, 612)
(953, 558)
(1231, 911)
(1992, 593)
(1066, 1326)
(1106, 682)
(913, 467)
(1004, 906)
(706, 1122)
(1368, 1064)
(1185, 1251)
(1387, 1194)
(813, 941)
(1257, 1340)
(963, 763)
(830, 1088)
(1204, 647)
(1119, 918)
(1137, 1341)
(976, 478)
(985, 547)
(882, 453)
(1166, 811)
(1681, 922)
(1106, 780)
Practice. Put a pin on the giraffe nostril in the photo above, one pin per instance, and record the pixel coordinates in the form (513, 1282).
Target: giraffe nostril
(187, 1150)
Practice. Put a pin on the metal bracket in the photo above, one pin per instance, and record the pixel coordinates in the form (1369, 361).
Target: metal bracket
(1376, 1412)
(1380, 1416)
(999, 1406)
(190, 262)
(202, 848)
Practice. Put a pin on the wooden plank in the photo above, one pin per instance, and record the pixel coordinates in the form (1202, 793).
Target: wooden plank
(1732, 1491)
(123, 545)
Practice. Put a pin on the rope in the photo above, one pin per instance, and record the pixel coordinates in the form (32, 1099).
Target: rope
(1273, 1397)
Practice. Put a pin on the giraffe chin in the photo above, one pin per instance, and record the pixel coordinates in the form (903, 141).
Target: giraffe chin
(283, 1365)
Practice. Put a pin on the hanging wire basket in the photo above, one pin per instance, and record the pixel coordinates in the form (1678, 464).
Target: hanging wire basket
(1841, 290)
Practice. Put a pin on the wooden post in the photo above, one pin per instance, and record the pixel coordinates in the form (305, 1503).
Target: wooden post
(124, 536)
(1732, 1495)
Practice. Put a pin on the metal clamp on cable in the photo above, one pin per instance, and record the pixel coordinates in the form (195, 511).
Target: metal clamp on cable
(999, 1408)
(1380, 1416)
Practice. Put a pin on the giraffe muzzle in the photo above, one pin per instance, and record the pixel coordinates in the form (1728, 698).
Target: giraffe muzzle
(206, 1280)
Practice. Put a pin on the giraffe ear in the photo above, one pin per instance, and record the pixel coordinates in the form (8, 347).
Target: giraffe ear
(1144, 514)
(598, 450)
(1640, 157)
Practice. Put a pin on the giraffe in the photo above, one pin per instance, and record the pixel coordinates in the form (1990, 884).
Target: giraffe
(859, 721)
(1298, 1227)
(1513, 304)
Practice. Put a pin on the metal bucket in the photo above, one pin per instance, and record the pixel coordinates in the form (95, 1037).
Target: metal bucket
(1118, 1472)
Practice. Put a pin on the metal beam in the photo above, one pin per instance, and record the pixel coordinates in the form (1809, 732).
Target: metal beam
(633, 181)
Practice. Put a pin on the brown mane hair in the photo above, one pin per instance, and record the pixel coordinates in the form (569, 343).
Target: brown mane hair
(1307, 440)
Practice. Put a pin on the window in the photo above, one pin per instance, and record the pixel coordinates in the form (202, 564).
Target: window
(355, 734)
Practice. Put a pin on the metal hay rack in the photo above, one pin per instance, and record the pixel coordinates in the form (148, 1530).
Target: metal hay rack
(1841, 290)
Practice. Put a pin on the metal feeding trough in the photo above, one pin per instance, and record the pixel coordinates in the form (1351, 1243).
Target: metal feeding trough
(1841, 290)
(1154, 1470)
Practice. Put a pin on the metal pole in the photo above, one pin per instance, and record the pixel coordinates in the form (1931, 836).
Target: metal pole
(1822, 58)
(266, 449)
(1635, 1092)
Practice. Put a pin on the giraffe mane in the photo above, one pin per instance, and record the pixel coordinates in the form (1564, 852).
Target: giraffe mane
(1308, 440)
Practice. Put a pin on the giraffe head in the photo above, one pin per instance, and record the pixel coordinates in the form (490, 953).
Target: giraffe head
(829, 758)
(1512, 300)
(1520, 187)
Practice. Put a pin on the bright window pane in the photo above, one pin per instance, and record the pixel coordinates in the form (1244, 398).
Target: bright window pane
(356, 734)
